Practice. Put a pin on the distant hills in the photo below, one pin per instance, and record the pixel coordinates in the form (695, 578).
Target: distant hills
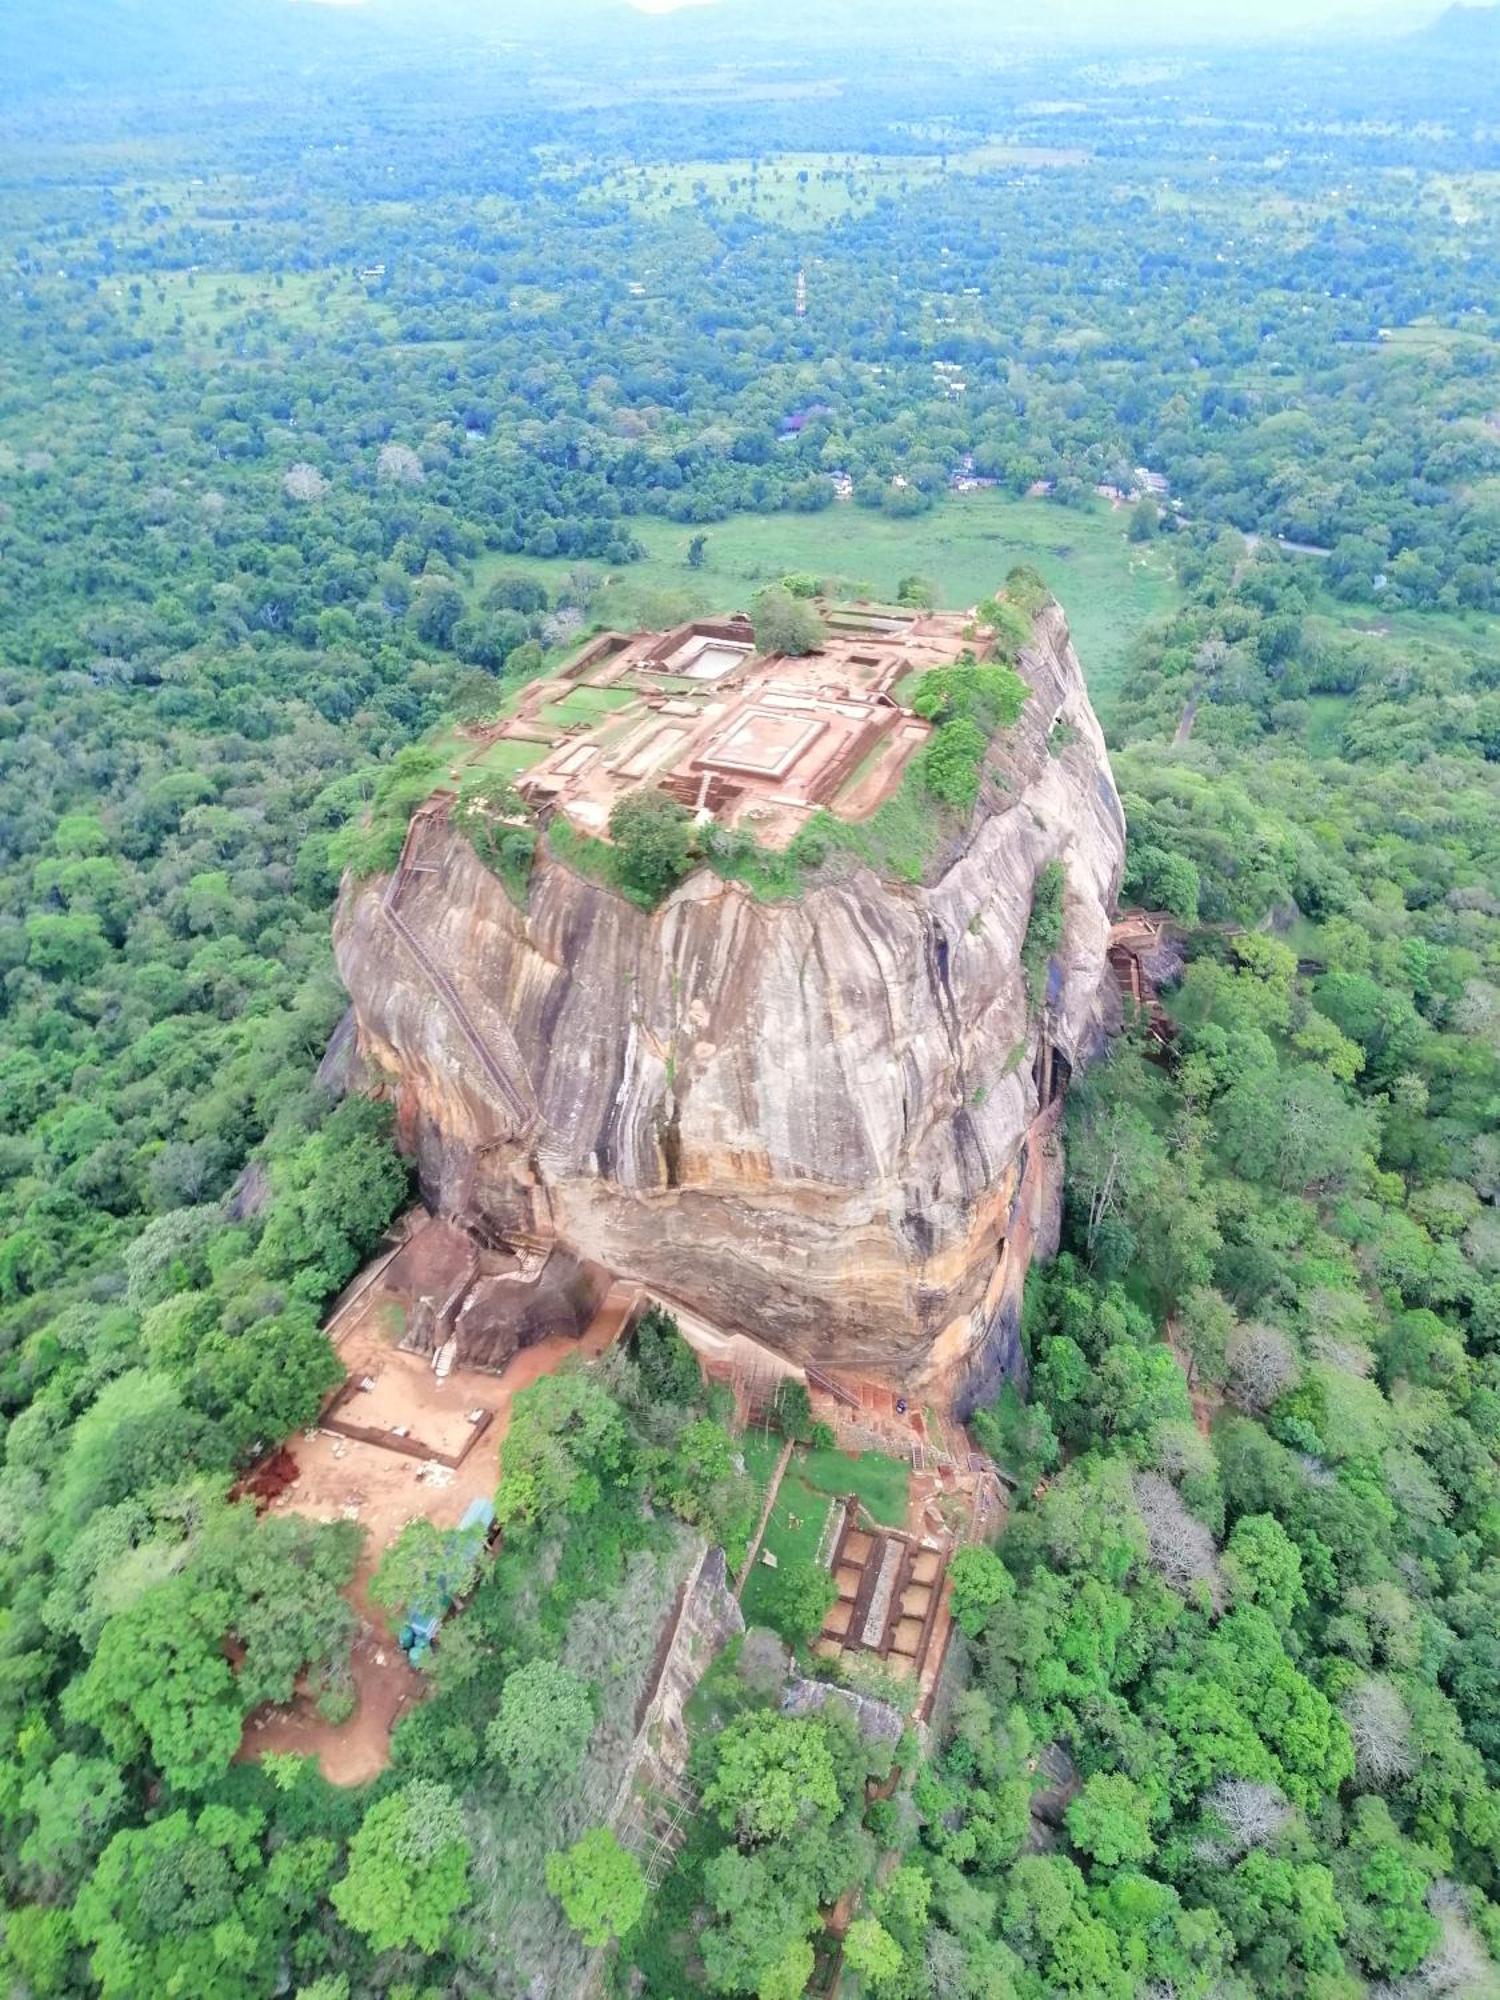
(1466, 27)
(140, 46)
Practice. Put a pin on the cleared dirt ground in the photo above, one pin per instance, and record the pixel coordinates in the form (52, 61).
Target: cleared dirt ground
(344, 1479)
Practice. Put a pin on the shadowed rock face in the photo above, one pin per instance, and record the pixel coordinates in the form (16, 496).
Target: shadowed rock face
(813, 1122)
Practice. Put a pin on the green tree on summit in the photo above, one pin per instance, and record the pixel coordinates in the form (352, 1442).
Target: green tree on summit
(785, 623)
(653, 841)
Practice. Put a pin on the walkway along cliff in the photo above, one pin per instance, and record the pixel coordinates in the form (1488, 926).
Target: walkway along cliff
(826, 1123)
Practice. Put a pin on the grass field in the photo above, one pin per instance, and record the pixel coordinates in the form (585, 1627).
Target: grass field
(792, 1536)
(210, 301)
(1426, 336)
(1444, 641)
(507, 759)
(799, 190)
(813, 1480)
(794, 190)
(1110, 588)
(1441, 630)
(760, 1450)
(586, 704)
(1325, 725)
(880, 1483)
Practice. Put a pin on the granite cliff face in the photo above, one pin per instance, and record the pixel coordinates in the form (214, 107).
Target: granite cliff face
(825, 1123)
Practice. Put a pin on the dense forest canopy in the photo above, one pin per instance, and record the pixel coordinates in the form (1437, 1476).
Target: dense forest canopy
(343, 371)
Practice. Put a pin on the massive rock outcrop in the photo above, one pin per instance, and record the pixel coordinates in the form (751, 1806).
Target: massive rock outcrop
(823, 1123)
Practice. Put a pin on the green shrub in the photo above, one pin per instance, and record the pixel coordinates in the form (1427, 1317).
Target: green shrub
(799, 1598)
(1044, 927)
(989, 696)
(952, 762)
(492, 816)
(1026, 590)
(793, 1410)
(669, 1368)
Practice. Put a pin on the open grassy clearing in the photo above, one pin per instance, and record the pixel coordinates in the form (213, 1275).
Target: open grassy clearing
(1468, 197)
(879, 1482)
(1109, 587)
(1426, 336)
(792, 1536)
(813, 1481)
(1441, 641)
(208, 301)
(792, 189)
(587, 704)
(1327, 714)
(1437, 631)
(760, 1450)
(508, 759)
(799, 189)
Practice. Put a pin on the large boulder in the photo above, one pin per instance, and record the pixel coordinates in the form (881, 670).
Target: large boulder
(825, 1123)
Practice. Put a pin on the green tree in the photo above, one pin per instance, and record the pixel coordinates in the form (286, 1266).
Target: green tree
(408, 1873)
(334, 1197)
(545, 1719)
(952, 763)
(73, 1805)
(436, 609)
(800, 1596)
(669, 1368)
(871, 1951)
(784, 623)
(988, 696)
(1044, 927)
(261, 1384)
(653, 842)
(71, 947)
(1046, 1917)
(792, 1410)
(566, 1438)
(980, 1581)
(1111, 1820)
(137, 1434)
(600, 1886)
(283, 1578)
(765, 1906)
(190, 1905)
(159, 1682)
(428, 1568)
(1264, 1566)
(38, 1947)
(1384, 1880)
(772, 1774)
(1205, 1321)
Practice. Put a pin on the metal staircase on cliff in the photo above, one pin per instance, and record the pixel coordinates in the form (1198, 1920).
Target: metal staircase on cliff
(435, 809)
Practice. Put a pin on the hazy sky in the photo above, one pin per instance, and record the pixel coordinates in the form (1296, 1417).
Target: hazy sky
(986, 22)
(1237, 18)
